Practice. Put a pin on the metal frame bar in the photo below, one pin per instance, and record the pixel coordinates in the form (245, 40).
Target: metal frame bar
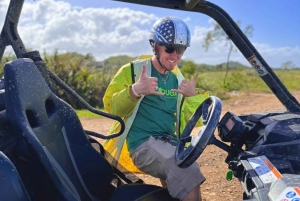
(10, 36)
(238, 38)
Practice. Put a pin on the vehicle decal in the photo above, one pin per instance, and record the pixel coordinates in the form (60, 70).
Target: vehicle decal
(289, 194)
(257, 65)
(264, 169)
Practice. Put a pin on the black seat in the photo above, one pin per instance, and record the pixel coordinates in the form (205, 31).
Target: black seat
(55, 135)
(11, 185)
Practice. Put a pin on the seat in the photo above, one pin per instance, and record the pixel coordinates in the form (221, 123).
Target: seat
(11, 185)
(54, 134)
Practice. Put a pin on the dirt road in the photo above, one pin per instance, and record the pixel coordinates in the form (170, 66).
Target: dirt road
(216, 187)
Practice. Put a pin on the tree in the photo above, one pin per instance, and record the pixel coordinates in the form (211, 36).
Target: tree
(188, 69)
(288, 65)
(79, 73)
(218, 34)
(7, 58)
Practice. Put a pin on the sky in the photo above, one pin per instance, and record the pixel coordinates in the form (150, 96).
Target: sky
(107, 28)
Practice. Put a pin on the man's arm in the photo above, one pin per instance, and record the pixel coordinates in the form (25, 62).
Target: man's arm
(118, 98)
(188, 108)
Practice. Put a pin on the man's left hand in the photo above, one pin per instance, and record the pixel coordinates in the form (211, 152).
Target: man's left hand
(187, 88)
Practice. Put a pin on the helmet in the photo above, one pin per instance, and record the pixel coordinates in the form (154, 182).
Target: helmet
(170, 31)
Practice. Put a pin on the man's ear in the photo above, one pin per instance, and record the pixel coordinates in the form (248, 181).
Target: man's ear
(155, 51)
(153, 46)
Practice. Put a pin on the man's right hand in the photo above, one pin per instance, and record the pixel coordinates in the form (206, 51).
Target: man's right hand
(146, 85)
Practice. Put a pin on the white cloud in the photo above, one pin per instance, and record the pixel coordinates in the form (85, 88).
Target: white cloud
(102, 32)
(3, 9)
(276, 56)
(187, 19)
(3, 5)
(217, 52)
(49, 25)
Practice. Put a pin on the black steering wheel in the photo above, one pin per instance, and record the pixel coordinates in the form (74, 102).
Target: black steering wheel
(210, 111)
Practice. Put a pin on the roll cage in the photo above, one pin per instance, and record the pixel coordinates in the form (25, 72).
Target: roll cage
(10, 36)
(273, 135)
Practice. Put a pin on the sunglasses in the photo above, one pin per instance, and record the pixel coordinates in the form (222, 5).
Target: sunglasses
(171, 48)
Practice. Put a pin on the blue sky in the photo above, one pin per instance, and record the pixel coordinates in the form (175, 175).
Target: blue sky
(107, 28)
(275, 22)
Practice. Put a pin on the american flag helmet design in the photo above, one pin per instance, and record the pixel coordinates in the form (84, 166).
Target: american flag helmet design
(170, 30)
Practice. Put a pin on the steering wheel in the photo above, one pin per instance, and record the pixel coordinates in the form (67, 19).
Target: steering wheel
(210, 111)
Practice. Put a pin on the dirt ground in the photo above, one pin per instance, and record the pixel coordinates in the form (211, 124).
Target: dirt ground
(216, 187)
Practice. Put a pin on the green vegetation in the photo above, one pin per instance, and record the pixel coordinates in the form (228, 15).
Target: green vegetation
(218, 34)
(90, 78)
(86, 114)
(245, 80)
(116, 61)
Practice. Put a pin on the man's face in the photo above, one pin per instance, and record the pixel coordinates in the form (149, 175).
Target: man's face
(170, 55)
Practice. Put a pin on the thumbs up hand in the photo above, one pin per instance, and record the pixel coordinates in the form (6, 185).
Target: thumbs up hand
(187, 88)
(147, 85)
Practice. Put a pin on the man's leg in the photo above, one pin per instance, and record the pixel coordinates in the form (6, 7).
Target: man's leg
(194, 195)
(156, 158)
(163, 183)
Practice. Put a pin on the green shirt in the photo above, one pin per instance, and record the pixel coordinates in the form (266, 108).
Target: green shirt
(156, 114)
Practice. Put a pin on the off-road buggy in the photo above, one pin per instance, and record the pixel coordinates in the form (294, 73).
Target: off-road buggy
(45, 154)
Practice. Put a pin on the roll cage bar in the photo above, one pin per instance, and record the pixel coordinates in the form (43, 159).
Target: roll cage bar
(10, 36)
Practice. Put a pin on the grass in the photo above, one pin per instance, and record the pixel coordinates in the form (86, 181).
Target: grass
(242, 80)
(246, 80)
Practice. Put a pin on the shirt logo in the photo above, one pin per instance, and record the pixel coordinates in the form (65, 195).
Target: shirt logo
(167, 92)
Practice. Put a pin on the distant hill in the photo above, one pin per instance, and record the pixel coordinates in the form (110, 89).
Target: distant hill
(118, 61)
(218, 67)
(222, 66)
(115, 61)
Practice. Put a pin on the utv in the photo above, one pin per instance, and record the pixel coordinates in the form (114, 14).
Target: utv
(47, 155)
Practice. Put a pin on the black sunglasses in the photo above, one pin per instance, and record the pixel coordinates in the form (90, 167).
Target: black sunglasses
(171, 48)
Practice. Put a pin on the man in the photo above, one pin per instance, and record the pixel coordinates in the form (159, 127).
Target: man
(156, 102)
